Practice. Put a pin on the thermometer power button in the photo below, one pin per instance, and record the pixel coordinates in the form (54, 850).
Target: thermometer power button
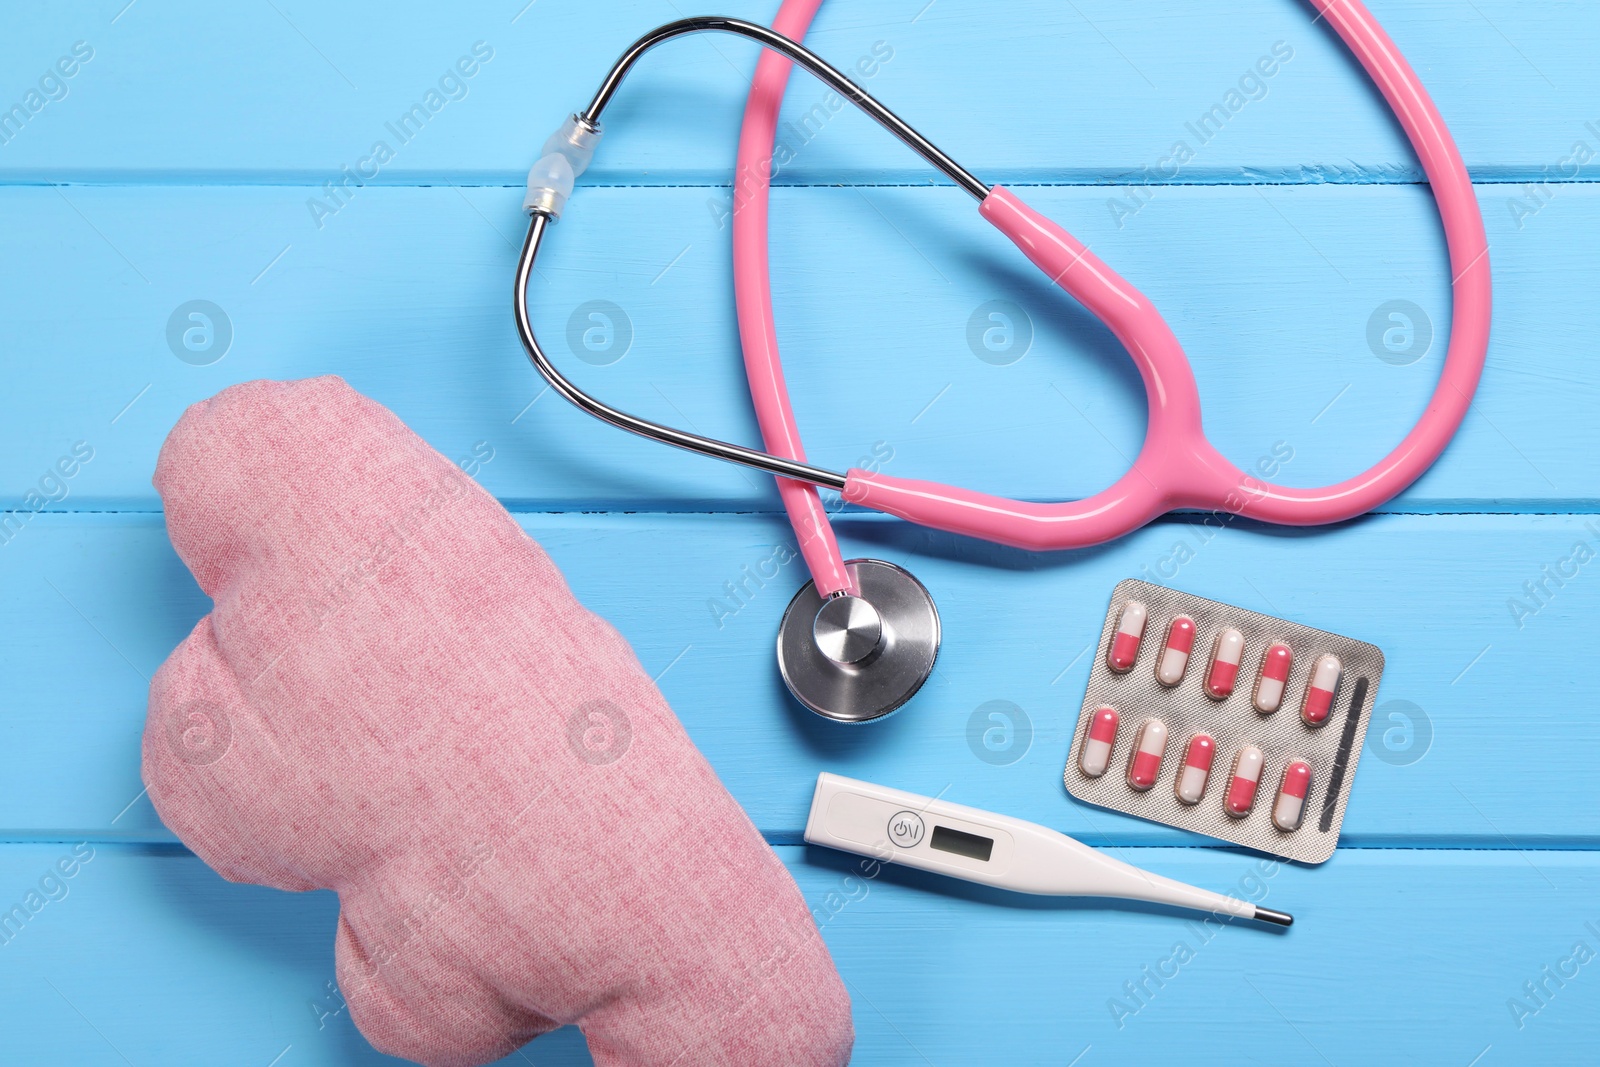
(905, 828)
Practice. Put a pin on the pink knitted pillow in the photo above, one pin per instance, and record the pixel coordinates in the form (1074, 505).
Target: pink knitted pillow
(396, 697)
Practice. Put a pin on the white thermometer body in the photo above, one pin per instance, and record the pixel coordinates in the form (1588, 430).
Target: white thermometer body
(894, 826)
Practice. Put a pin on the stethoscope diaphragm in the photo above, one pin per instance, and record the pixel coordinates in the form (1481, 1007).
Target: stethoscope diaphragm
(856, 657)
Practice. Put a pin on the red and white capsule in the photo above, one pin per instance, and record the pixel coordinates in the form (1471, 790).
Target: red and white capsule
(1144, 767)
(1095, 756)
(1275, 663)
(1320, 687)
(1175, 656)
(1242, 782)
(1226, 652)
(1290, 806)
(1196, 770)
(1125, 642)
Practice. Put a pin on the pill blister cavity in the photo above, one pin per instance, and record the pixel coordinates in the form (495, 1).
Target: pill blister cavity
(1124, 650)
(1289, 809)
(1196, 769)
(1144, 766)
(1174, 659)
(1095, 756)
(1320, 688)
(1273, 678)
(1242, 782)
(1226, 653)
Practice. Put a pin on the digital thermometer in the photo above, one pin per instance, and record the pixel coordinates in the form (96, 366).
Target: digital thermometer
(894, 826)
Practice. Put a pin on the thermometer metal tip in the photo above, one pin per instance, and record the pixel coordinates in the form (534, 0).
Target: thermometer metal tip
(893, 826)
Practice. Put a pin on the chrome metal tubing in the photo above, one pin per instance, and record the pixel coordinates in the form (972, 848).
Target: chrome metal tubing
(590, 116)
(799, 54)
(706, 446)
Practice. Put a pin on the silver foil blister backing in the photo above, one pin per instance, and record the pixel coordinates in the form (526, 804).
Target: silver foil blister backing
(1332, 749)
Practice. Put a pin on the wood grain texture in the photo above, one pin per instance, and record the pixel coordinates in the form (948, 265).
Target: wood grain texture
(152, 958)
(1036, 91)
(406, 294)
(183, 161)
(107, 600)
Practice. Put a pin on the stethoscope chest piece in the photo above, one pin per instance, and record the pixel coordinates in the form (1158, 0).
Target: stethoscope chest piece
(856, 658)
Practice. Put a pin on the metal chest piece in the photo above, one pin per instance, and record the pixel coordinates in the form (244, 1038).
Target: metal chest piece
(858, 658)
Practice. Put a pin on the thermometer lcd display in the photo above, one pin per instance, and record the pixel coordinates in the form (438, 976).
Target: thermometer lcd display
(962, 844)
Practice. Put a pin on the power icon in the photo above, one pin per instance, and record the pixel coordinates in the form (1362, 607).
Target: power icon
(905, 828)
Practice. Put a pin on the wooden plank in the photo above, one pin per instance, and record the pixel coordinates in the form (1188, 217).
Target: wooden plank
(105, 600)
(192, 145)
(939, 972)
(1083, 93)
(878, 293)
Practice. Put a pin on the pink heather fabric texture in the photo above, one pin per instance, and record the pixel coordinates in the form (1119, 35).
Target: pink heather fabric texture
(396, 697)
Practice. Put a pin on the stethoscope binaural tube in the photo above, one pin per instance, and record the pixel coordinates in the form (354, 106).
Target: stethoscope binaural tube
(1177, 467)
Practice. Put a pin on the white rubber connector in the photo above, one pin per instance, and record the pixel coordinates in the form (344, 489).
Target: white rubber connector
(566, 155)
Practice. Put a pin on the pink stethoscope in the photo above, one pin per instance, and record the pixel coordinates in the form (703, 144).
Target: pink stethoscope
(861, 637)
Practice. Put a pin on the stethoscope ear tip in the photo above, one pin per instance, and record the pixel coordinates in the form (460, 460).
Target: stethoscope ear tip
(858, 657)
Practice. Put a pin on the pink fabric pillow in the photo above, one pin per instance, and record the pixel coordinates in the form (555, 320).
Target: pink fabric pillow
(396, 697)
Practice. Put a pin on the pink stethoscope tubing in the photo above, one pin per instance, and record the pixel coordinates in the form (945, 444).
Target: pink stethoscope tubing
(1177, 467)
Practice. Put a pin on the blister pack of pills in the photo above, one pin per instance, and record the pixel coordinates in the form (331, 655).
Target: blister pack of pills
(1223, 721)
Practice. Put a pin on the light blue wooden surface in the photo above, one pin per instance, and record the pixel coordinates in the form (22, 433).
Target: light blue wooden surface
(177, 165)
